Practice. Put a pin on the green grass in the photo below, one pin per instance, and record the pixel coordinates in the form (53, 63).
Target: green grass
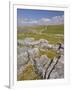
(28, 74)
(51, 29)
(50, 37)
(50, 53)
(43, 32)
(54, 29)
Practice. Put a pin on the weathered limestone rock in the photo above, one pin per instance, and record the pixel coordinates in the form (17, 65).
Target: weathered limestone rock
(22, 60)
(28, 41)
(43, 60)
(30, 54)
(41, 64)
(20, 42)
(58, 71)
(33, 53)
(43, 41)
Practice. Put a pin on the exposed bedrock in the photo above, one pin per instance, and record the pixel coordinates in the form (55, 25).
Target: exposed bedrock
(29, 53)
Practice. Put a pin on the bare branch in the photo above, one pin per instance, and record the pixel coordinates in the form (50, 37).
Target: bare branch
(48, 67)
(53, 66)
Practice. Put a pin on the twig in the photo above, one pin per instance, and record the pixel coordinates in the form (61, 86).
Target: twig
(53, 67)
(48, 67)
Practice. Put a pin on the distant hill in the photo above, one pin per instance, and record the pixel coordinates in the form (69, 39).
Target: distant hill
(51, 29)
(54, 29)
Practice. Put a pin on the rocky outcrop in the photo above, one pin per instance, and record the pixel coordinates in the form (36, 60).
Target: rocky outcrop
(43, 66)
(30, 42)
(22, 60)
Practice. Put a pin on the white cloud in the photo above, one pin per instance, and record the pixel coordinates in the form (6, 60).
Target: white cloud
(34, 21)
(42, 21)
(57, 20)
(45, 19)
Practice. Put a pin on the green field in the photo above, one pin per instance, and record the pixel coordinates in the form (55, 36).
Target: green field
(53, 33)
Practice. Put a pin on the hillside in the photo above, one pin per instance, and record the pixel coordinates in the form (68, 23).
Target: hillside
(53, 33)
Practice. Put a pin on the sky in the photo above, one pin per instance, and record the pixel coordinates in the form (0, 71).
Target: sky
(28, 17)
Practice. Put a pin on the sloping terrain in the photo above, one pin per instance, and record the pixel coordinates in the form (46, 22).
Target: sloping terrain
(40, 52)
